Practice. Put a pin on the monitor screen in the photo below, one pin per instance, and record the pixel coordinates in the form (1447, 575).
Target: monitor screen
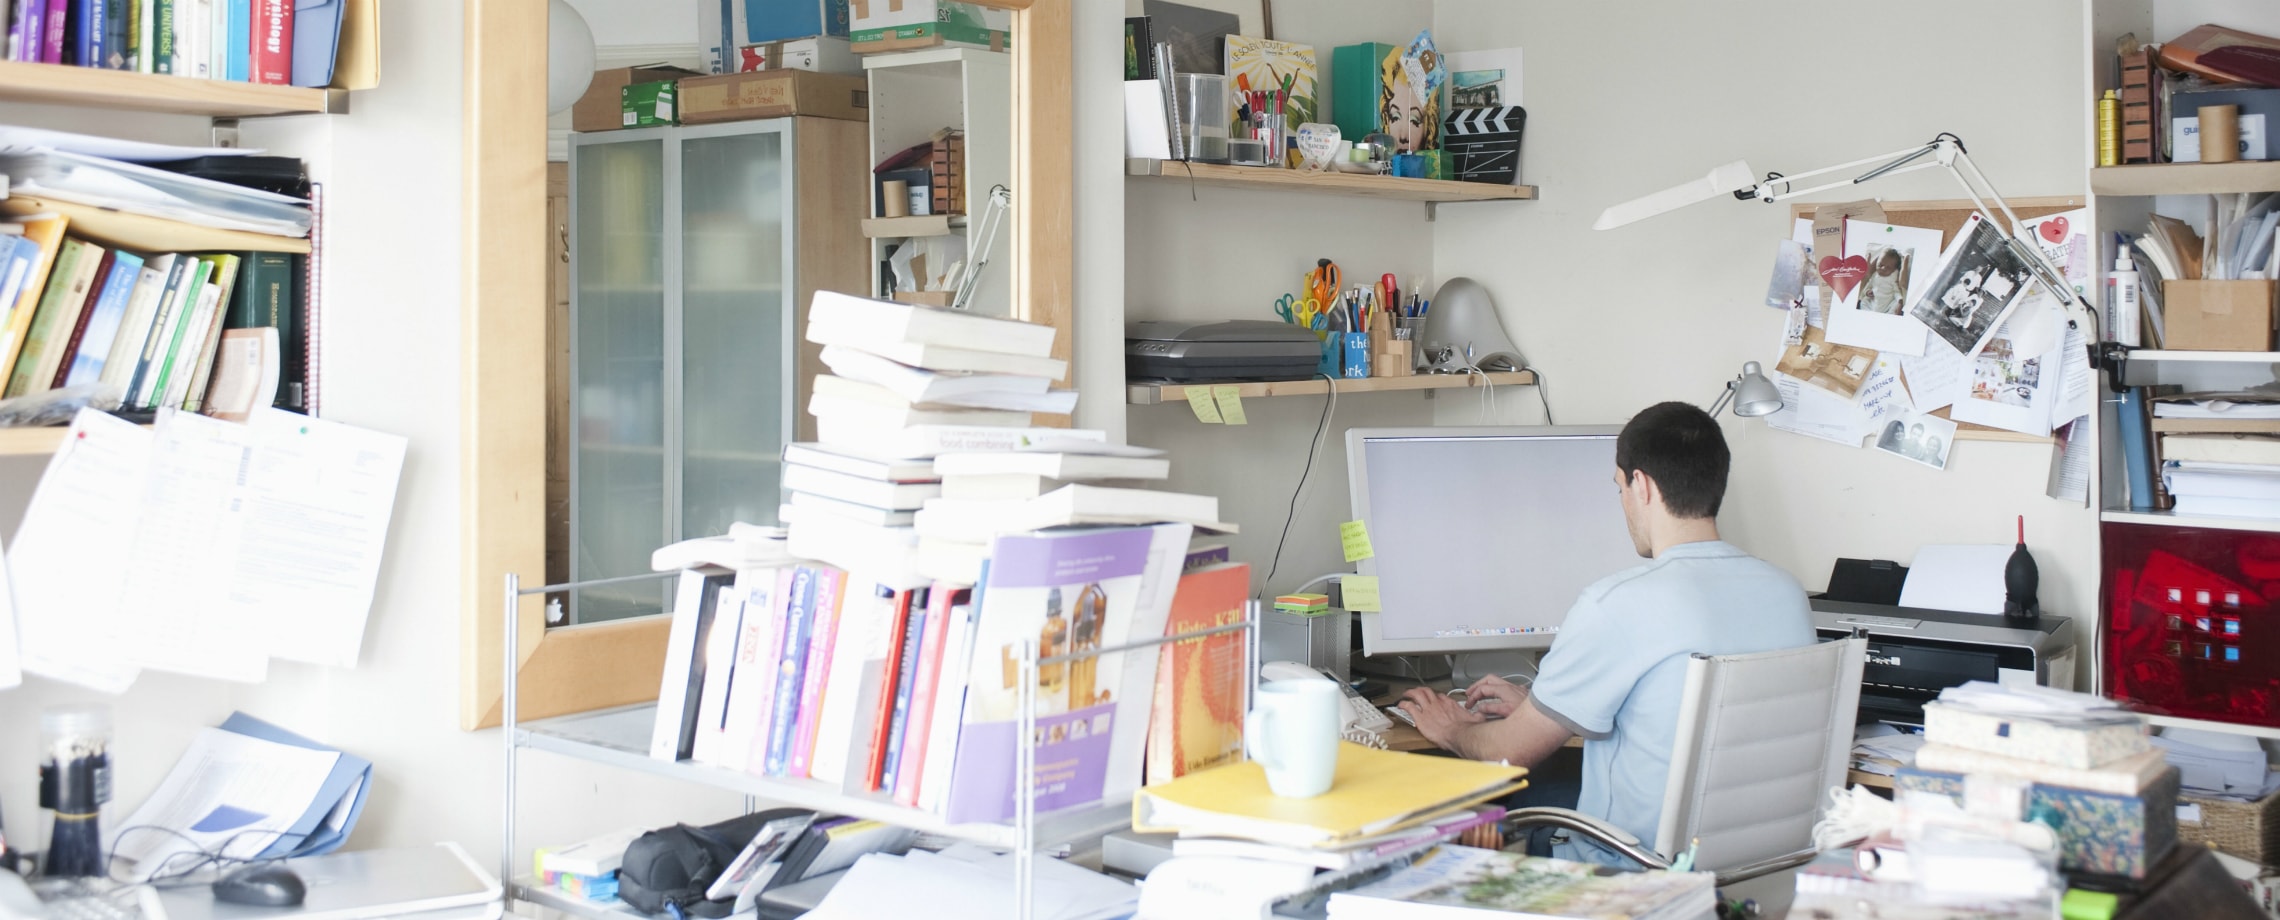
(1484, 536)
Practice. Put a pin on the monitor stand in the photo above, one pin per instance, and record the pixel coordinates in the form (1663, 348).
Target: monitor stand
(1459, 670)
(1470, 667)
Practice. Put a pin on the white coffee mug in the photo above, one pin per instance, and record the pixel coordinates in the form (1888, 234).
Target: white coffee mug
(1292, 730)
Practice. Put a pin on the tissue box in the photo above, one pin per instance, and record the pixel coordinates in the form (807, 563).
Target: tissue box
(2076, 746)
(2217, 315)
(2098, 832)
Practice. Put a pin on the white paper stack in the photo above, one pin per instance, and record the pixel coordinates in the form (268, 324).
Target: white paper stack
(960, 884)
(2217, 764)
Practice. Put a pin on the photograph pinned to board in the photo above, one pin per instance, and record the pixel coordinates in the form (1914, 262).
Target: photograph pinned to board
(2011, 388)
(1978, 281)
(1925, 439)
(1839, 369)
(1791, 275)
(1892, 261)
(2064, 239)
(1793, 328)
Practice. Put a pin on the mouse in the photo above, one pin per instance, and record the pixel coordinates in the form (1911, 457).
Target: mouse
(262, 885)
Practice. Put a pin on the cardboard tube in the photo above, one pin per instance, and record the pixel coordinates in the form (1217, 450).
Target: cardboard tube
(2220, 133)
(894, 198)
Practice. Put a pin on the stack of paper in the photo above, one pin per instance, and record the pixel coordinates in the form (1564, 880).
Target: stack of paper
(962, 884)
(2216, 764)
(1881, 749)
(1463, 881)
(42, 171)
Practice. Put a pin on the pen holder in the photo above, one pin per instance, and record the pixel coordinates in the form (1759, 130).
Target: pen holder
(1357, 354)
(1392, 359)
(1333, 349)
(1405, 328)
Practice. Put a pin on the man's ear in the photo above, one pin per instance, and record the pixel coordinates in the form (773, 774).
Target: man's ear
(1645, 487)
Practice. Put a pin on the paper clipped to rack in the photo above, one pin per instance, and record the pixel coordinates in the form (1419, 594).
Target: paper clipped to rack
(202, 547)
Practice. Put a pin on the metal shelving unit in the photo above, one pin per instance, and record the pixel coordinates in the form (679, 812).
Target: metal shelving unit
(619, 737)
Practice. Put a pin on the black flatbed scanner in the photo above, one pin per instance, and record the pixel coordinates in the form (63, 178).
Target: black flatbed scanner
(1242, 349)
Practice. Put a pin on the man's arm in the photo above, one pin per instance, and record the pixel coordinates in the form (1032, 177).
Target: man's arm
(1524, 738)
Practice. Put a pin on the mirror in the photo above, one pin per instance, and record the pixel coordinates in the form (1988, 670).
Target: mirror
(613, 653)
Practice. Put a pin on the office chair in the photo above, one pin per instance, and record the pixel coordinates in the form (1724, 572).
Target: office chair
(1761, 739)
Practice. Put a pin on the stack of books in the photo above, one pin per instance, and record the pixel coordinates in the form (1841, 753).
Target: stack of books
(1386, 809)
(2088, 762)
(2222, 474)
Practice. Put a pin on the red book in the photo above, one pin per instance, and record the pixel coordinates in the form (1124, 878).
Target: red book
(86, 311)
(897, 626)
(273, 42)
(915, 728)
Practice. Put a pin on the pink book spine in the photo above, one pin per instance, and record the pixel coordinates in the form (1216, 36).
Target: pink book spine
(911, 769)
(779, 605)
(813, 686)
(51, 44)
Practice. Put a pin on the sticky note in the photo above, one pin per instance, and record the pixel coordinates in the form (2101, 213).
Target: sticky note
(1355, 537)
(1199, 400)
(2088, 905)
(1361, 593)
(1230, 399)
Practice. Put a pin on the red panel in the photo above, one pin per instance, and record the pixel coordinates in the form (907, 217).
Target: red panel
(2189, 629)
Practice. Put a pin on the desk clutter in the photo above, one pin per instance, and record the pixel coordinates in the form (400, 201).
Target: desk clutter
(2201, 97)
(1404, 110)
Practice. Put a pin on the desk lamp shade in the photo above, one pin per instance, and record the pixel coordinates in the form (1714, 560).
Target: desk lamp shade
(1755, 396)
(569, 56)
(1463, 320)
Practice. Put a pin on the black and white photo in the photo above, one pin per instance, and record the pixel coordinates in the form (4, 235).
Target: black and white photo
(1925, 439)
(1978, 281)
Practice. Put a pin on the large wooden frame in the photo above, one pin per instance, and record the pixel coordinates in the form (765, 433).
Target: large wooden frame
(502, 468)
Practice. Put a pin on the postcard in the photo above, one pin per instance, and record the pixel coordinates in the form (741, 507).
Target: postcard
(1978, 281)
(1839, 369)
(1791, 275)
(2011, 388)
(1926, 439)
(1884, 263)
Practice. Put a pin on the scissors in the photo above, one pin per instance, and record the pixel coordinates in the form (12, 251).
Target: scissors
(1323, 282)
(1289, 309)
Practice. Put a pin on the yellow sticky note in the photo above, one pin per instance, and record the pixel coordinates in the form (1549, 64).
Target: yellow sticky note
(1199, 400)
(1355, 537)
(1360, 593)
(1230, 399)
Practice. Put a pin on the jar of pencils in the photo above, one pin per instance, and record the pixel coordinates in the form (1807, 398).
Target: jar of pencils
(75, 783)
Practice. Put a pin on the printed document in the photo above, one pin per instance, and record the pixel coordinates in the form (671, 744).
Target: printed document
(231, 794)
(76, 534)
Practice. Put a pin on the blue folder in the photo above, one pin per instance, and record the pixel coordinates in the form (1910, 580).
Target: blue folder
(345, 789)
(316, 40)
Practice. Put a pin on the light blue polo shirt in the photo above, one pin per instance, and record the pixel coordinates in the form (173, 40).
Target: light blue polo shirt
(1618, 668)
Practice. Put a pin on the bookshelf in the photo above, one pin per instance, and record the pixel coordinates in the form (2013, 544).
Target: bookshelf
(2185, 178)
(2173, 519)
(1149, 394)
(95, 87)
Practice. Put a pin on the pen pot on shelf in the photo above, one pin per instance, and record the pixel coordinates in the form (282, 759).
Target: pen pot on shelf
(1357, 354)
(1389, 356)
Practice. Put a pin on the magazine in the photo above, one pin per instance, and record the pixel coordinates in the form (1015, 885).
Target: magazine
(1466, 881)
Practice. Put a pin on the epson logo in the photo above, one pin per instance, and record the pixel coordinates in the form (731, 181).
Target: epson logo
(1892, 660)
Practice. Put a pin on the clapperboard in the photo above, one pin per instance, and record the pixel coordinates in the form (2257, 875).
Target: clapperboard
(1484, 144)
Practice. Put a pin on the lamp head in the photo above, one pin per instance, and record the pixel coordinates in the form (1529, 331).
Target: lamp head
(1725, 180)
(569, 56)
(1755, 396)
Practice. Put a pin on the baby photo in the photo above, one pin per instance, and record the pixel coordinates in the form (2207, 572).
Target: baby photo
(1886, 290)
(1925, 439)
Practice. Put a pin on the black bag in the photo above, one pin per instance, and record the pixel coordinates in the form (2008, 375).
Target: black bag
(674, 865)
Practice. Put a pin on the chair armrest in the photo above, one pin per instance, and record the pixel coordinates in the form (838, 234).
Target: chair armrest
(1605, 834)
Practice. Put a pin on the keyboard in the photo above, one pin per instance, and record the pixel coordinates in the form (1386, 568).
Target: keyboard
(79, 899)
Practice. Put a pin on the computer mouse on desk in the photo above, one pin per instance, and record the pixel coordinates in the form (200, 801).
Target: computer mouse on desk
(262, 885)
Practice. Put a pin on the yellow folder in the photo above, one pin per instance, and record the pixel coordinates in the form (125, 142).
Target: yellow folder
(1372, 792)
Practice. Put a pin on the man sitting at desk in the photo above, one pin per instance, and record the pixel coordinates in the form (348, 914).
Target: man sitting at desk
(1617, 670)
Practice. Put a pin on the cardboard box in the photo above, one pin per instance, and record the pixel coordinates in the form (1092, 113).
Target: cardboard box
(2098, 832)
(646, 105)
(777, 20)
(817, 54)
(773, 94)
(2217, 315)
(926, 298)
(602, 108)
(903, 25)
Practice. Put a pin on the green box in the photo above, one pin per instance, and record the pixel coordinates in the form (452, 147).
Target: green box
(649, 104)
(911, 24)
(1356, 85)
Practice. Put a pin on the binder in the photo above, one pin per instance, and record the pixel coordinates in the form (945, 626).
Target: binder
(344, 792)
(2137, 449)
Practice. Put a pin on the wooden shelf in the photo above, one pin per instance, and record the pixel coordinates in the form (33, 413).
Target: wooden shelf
(2186, 178)
(2158, 355)
(60, 84)
(1149, 394)
(2217, 425)
(879, 228)
(32, 442)
(1354, 184)
(2173, 519)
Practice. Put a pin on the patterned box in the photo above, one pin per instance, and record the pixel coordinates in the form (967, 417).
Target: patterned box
(2098, 832)
(2078, 746)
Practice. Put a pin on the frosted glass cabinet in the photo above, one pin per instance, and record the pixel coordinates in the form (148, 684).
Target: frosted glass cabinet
(693, 254)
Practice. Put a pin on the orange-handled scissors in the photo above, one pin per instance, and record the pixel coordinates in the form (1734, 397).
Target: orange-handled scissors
(1323, 282)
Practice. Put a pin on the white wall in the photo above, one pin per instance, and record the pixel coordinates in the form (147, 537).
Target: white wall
(1211, 253)
(1668, 308)
(391, 363)
(641, 22)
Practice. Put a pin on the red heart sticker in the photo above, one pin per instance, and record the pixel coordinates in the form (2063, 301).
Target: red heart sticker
(1842, 275)
(2054, 230)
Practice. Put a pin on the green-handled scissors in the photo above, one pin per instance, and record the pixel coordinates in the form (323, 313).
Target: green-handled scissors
(1288, 308)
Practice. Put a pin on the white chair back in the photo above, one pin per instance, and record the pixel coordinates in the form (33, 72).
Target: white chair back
(1761, 739)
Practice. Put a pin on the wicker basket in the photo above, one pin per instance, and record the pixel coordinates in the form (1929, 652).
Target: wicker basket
(2249, 830)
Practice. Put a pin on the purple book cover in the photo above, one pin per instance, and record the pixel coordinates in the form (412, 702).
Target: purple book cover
(790, 667)
(1068, 592)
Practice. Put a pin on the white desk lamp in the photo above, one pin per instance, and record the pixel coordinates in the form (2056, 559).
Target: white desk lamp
(1945, 151)
(1751, 395)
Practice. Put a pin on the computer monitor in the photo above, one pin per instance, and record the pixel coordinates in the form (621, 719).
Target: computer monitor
(1483, 536)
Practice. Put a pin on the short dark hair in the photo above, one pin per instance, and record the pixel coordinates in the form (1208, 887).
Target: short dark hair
(1680, 447)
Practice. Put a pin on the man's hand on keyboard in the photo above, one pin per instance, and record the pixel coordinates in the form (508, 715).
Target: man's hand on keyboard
(1494, 697)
